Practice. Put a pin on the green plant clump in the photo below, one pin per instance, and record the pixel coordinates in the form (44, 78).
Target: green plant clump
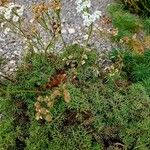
(87, 112)
(126, 23)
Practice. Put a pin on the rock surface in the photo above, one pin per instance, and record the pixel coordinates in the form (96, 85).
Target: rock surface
(73, 31)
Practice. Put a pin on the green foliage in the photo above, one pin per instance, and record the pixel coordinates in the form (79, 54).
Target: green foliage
(137, 123)
(147, 25)
(126, 23)
(122, 115)
(137, 66)
(98, 116)
(146, 84)
(77, 54)
(55, 139)
(134, 110)
(7, 130)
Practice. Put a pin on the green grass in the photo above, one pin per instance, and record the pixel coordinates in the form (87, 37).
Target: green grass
(126, 23)
(147, 25)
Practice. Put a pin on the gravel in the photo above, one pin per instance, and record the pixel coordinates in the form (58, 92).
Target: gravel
(73, 31)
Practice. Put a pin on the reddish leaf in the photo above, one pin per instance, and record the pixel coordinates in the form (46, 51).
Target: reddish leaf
(55, 81)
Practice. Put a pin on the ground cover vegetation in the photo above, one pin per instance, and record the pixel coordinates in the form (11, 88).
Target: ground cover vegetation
(70, 100)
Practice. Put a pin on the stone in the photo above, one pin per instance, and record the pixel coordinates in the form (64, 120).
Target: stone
(71, 30)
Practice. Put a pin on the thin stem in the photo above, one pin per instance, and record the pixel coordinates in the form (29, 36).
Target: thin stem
(48, 45)
(43, 19)
(89, 34)
(40, 42)
(63, 39)
(7, 78)
(59, 20)
(22, 32)
(24, 91)
(49, 18)
(50, 22)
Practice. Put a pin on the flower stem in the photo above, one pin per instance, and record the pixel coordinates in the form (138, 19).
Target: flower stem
(59, 19)
(90, 30)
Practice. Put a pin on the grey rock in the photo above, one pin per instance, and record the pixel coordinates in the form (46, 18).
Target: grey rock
(12, 47)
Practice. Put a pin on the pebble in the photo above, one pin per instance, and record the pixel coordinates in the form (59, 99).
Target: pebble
(71, 30)
(64, 31)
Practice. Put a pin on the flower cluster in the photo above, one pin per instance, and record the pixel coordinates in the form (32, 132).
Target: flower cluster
(111, 70)
(3, 2)
(46, 15)
(39, 10)
(44, 104)
(12, 11)
(42, 112)
(55, 5)
(43, 8)
(83, 7)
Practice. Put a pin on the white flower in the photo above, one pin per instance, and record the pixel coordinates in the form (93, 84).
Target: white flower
(2, 10)
(83, 7)
(97, 14)
(6, 30)
(32, 20)
(34, 40)
(13, 5)
(7, 13)
(85, 56)
(85, 37)
(1, 40)
(87, 22)
(25, 40)
(20, 11)
(10, 5)
(15, 18)
(85, 14)
(70, 56)
(79, 8)
(82, 62)
(35, 50)
(2, 24)
(86, 4)
(79, 2)
(86, 19)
